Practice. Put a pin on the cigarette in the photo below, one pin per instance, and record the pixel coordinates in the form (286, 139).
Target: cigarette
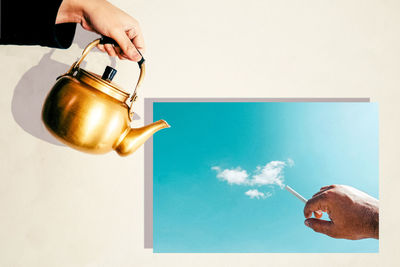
(288, 188)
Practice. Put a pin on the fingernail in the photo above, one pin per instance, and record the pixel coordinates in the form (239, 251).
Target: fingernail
(307, 223)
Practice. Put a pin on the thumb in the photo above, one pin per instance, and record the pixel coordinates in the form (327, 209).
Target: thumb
(320, 226)
(126, 45)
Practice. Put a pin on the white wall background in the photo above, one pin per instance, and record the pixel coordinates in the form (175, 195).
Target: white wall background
(60, 208)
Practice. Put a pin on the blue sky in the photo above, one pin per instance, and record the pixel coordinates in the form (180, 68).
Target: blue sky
(195, 211)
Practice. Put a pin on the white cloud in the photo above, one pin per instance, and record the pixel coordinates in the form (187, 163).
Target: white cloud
(254, 193)
(270, 174)
(290, 162)
(232, 176)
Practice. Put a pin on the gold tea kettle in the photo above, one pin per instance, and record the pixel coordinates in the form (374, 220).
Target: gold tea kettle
(91, 114)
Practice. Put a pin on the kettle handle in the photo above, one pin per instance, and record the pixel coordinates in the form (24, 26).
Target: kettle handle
(108, 40)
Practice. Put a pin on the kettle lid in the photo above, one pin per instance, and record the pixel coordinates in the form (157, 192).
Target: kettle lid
(104, 85)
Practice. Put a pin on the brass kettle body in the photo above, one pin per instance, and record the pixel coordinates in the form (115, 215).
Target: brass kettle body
(91, 114)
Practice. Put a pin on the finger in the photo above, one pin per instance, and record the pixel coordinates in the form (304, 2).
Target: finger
(137, 38)
(121, 57)
(327, 187)
(101, 48)
(323, 189)
(321, 226)
(318, 214)
(124, 57)
(119, 52)
(317, 203)
(116, 50)
(110, 50)
(126, 45)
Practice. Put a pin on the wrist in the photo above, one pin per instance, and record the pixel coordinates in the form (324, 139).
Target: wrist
(375, 224)
(70, 11)
(373, 220)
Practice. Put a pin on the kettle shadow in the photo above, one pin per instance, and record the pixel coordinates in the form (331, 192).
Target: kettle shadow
(30, 93)
(34, 85)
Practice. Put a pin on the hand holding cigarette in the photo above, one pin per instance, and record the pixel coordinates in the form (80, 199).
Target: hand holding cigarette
(317, 214)
(354, 214)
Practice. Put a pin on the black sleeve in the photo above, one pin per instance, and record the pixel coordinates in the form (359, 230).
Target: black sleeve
(32, 22)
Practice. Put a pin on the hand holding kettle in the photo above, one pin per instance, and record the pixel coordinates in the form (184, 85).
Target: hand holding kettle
(120, 26)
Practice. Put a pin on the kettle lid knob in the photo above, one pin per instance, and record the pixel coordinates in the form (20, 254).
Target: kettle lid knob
(109, 73)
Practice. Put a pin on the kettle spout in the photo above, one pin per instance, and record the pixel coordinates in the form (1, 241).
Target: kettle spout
(137, 136)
